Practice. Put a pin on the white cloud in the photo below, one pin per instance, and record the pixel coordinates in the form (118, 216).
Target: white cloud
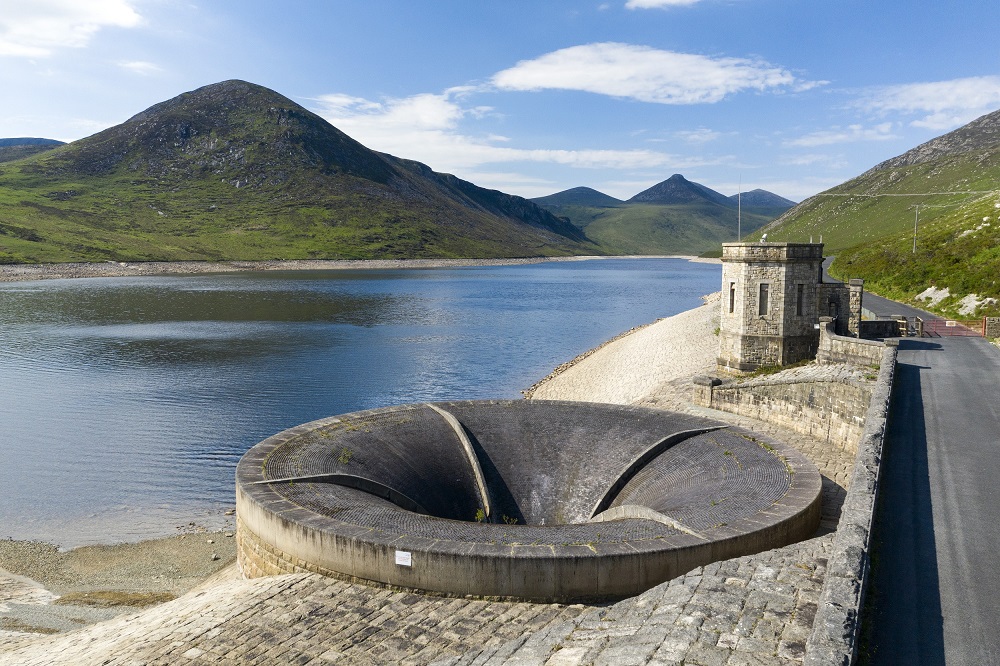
(941, 104)
(645, 74)
(425, 127)
(658, 4)
(36, 28)
(141, 67)
(849, 134)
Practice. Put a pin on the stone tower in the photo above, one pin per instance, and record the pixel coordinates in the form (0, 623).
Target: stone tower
(770, 304)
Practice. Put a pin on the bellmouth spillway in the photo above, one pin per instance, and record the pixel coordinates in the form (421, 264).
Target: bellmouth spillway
(520, 499)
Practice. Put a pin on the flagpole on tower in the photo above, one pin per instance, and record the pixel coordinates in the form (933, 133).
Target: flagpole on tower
(739, 211)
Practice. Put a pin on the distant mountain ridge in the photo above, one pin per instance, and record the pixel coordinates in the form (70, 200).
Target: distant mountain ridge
(234, 170)
(679, 190)
(29, 141)
(18, 148)
(761, 199)
(578, 196)
(675, 190)
(675, 216)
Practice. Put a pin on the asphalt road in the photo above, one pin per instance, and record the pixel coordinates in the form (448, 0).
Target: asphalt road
(934, 595)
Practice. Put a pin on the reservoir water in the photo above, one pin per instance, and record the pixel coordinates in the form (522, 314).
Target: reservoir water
(125, 403)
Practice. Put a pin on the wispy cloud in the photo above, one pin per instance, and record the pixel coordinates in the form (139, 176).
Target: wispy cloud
(658, 4)
(699, 136)
(427, 127)
(141, 67)
(812, 159)
(645, 74)
(848, 134)
(940, 104)
(37, 28)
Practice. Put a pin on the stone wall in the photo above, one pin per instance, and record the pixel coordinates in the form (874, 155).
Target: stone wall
(992, 328)
(882, 328)
(835, 348)
(834, 300)
(837, 625)
(825, 405)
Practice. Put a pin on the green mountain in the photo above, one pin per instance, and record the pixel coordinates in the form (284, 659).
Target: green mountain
(947, 191)
(236, 171)
(676, 216)
(762, 202)
(15, 149)
(579, 196)
(678, 190)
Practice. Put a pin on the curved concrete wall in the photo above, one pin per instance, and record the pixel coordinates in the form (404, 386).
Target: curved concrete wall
(313, 525)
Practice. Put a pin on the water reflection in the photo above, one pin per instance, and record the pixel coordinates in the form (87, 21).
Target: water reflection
(126, 402)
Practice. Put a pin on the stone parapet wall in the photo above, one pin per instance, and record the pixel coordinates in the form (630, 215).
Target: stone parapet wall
(829, 409)
(882, 328)
(779, 252)
(835, 348)
(256, 558)
(837, 625)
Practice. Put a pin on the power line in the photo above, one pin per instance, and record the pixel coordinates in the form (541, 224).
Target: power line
(915, 194)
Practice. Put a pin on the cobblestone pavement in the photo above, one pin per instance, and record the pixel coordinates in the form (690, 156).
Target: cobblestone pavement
(293, 619)
(749, 610)
(741, 612)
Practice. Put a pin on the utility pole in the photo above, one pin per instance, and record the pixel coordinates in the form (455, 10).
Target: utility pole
(739, 211)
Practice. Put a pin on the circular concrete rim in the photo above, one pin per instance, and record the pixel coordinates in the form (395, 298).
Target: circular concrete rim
(296, 538)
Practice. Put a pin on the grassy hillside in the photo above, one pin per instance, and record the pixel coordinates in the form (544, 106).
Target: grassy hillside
(868, 222)
(959, 251)
(940, 176)
(675, 216)
(663, 229)
(881, 204)
(236, 171)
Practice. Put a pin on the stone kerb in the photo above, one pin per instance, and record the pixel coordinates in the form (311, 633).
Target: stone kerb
(836, 628)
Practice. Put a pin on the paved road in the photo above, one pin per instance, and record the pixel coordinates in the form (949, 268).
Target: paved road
(935, 586)
(883, 307)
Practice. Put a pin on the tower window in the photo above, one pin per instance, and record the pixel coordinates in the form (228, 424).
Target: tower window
(800, 300)
(732, 297)
(762, 302)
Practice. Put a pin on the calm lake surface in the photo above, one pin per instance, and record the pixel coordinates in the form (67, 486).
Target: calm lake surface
(125, 403)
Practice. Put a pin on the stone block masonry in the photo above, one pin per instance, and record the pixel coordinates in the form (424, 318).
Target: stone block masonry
(825, 402)
(768, 303)
(992, 328)
(835, 348)
(833, 640)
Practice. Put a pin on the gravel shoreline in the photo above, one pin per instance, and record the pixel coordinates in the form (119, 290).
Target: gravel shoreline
(26, 272)
(46, 590)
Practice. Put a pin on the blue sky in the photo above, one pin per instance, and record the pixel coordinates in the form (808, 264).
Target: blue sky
(534, 97)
